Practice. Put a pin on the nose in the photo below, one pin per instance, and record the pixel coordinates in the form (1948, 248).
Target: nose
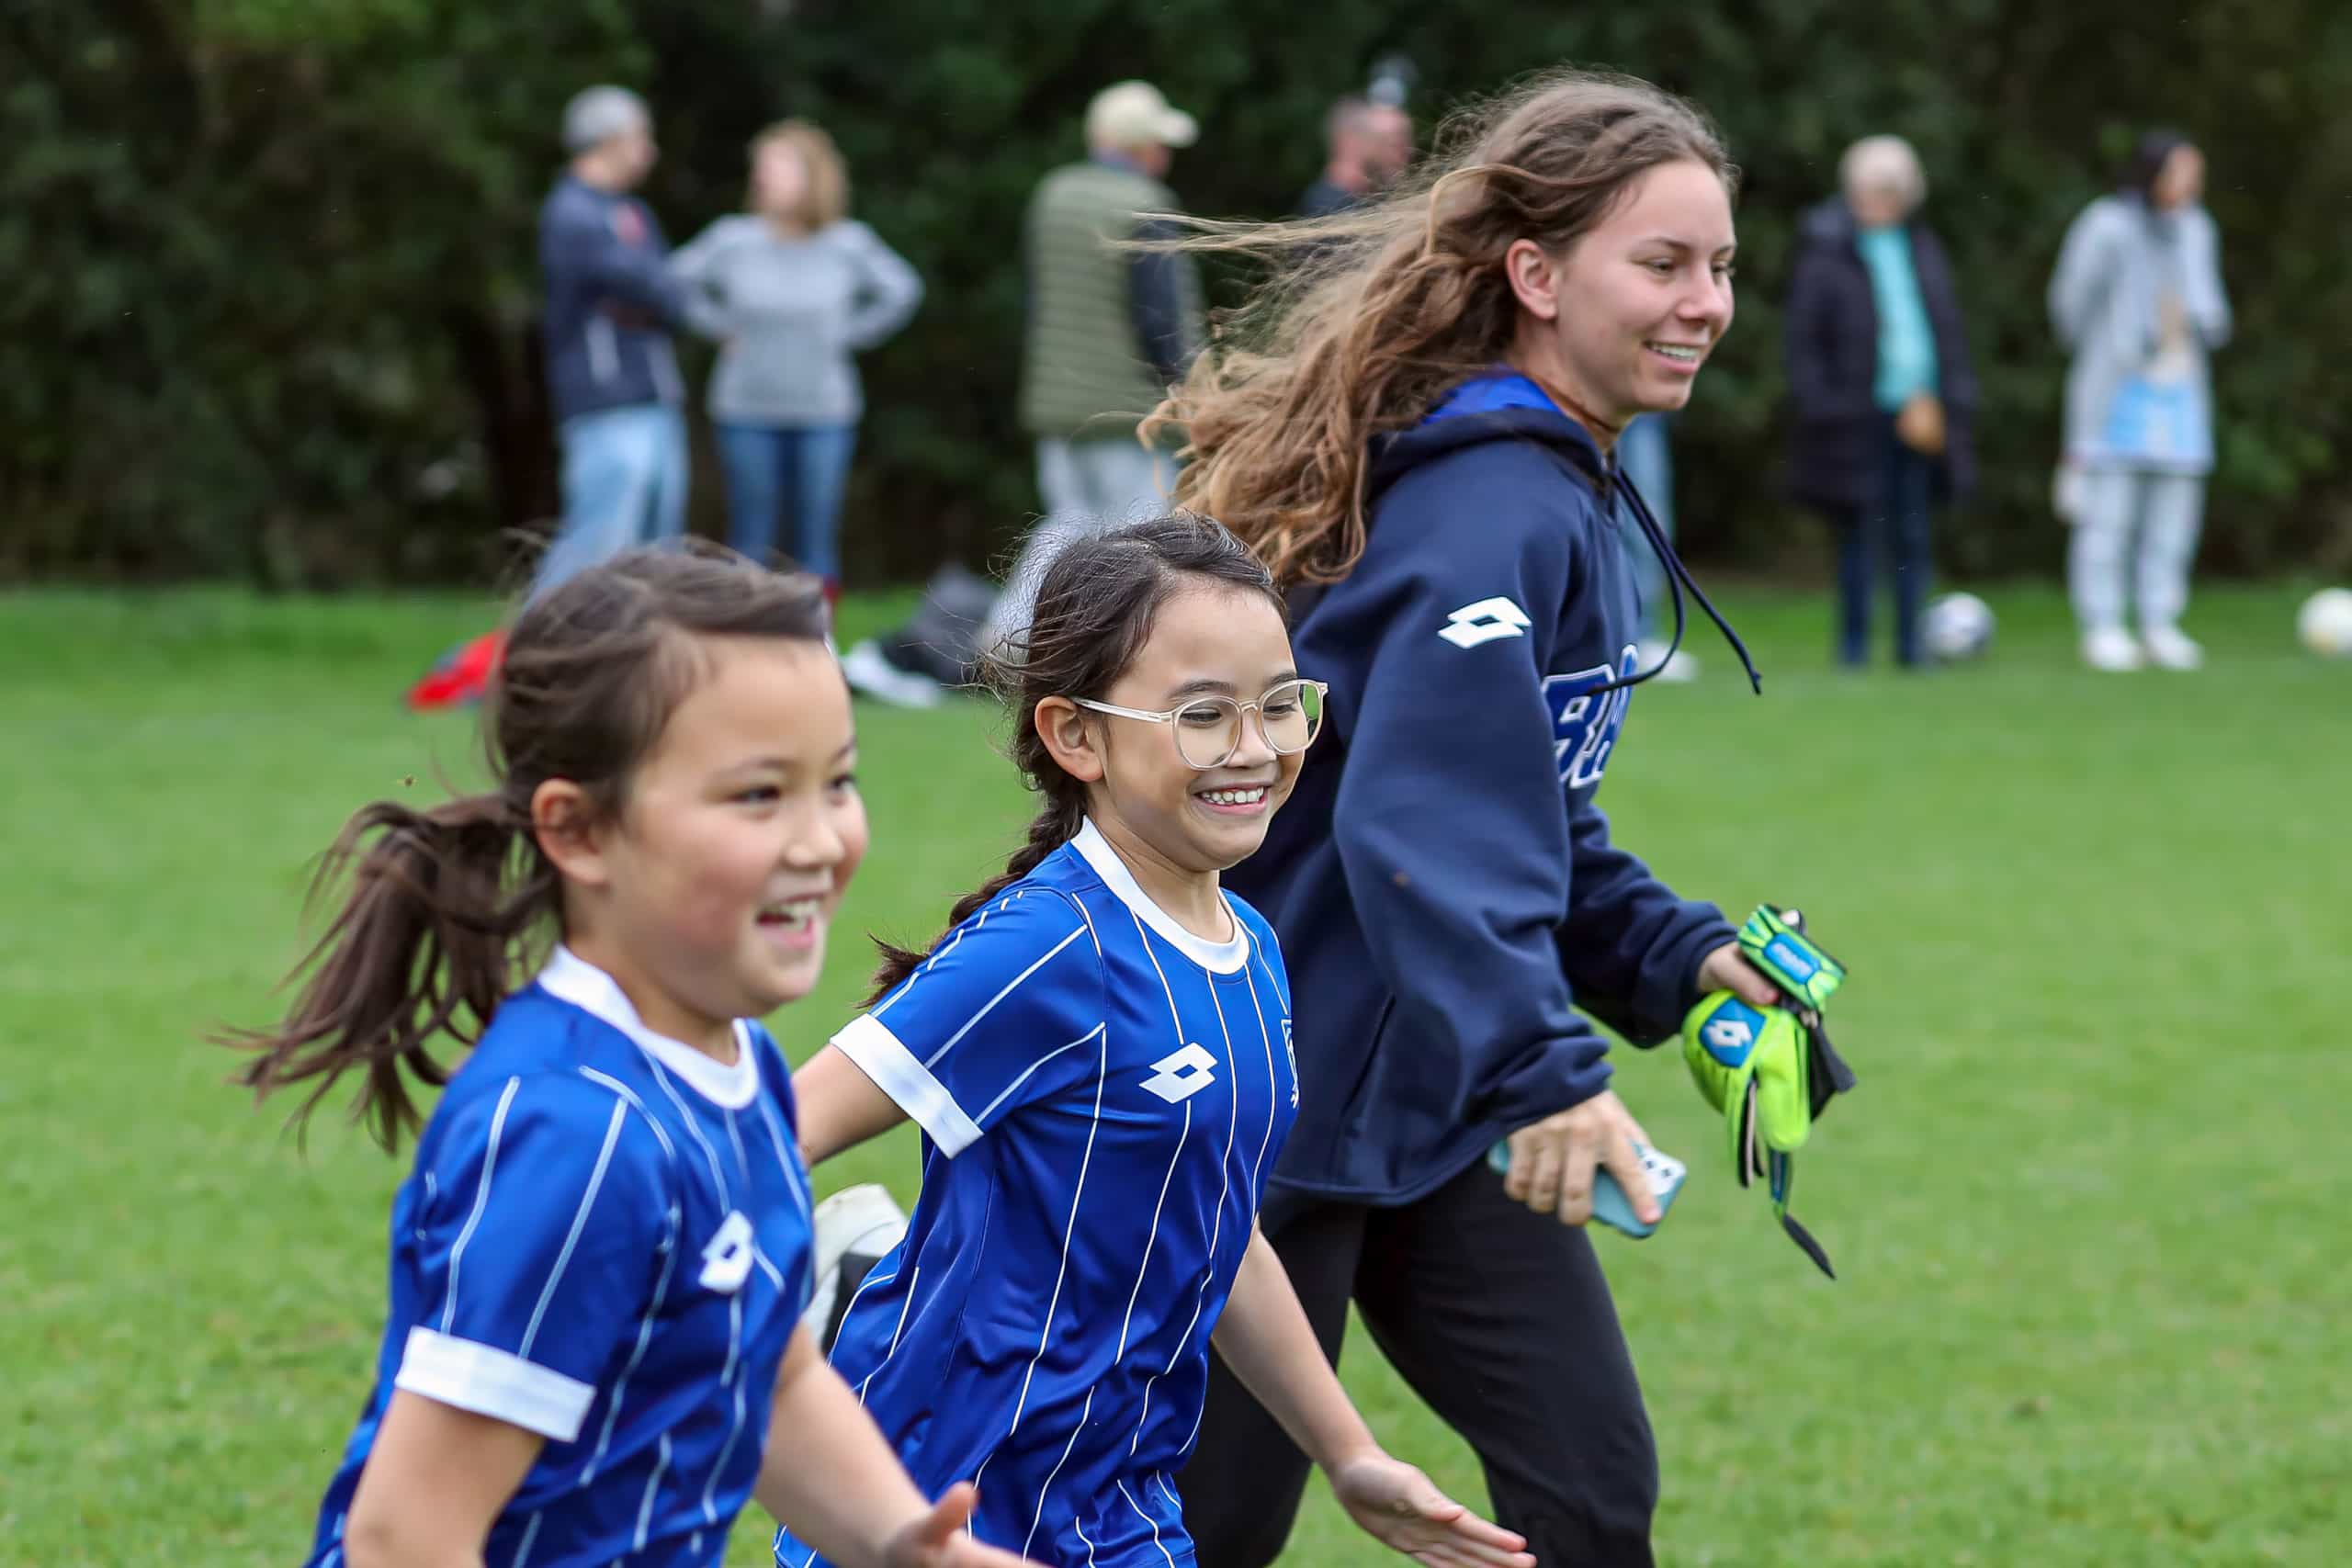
(815, 842)
(1252, 748)
(1708, 303)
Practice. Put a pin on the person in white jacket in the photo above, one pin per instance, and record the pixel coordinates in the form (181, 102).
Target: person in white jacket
(2137, 299)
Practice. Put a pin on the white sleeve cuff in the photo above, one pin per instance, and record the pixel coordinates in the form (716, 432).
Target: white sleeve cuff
(883, 1057)
(494, 1382)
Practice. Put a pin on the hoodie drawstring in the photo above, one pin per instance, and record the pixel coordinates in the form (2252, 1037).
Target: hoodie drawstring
(1677, 577)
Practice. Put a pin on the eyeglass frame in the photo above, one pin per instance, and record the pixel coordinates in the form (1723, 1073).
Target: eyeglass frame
(1256, 704)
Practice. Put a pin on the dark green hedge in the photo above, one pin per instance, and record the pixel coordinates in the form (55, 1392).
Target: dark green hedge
(270, 278)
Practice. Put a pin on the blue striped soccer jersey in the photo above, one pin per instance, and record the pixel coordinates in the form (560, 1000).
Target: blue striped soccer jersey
(1103, 1094)
(605, 1240)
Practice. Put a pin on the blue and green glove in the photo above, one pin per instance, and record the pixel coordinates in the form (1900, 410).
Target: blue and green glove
(1772, 1071)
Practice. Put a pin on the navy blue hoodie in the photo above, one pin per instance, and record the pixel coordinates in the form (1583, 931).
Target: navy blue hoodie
(611, 301)
(1444, 885)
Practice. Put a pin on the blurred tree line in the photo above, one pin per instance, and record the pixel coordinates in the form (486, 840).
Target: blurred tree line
(270, 283)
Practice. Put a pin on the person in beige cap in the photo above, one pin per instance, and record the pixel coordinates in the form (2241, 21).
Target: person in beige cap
(1108, 329)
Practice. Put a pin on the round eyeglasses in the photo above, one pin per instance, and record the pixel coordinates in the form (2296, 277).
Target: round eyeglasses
(1208, 729)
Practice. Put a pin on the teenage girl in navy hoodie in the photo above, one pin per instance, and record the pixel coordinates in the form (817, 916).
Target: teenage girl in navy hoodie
(1413, 427)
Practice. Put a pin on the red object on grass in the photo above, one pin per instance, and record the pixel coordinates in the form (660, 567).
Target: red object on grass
(460, 675)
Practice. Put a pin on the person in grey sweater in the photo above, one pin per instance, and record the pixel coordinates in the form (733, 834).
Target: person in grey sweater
(794, 290)
(2137, 299)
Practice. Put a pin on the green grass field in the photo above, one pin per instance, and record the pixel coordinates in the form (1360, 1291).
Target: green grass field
(2089, 1205)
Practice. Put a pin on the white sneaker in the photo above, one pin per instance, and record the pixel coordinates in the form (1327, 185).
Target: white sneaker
(869, 672)
(2110, 649)
(1680, 667)
(2169, 647)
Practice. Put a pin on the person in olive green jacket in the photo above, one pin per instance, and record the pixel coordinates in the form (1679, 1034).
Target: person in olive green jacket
(1108, 329)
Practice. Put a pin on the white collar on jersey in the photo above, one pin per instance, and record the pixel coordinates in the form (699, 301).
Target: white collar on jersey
(1216, 957)
(571, 978)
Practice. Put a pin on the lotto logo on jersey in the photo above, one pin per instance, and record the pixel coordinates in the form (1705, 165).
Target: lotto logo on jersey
(1181, 1074)
(1584, 725)
(1484, 622)
(726, 1258)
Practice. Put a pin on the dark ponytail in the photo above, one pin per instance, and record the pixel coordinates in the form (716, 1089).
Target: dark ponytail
(1093, 614)
(447, 904)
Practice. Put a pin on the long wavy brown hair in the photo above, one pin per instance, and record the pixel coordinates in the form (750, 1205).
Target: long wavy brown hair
(1366, 318)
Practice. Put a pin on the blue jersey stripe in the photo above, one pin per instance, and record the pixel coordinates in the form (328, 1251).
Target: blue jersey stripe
(482, 1201)
(579, 1220)
(1069, 1228)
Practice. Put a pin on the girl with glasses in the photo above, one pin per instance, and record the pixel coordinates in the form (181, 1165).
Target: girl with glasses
(1098, 1053)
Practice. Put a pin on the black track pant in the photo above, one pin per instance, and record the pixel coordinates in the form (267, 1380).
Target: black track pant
(1500, 1319)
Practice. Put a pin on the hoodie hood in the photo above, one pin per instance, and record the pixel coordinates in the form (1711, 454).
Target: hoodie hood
(1504, 406)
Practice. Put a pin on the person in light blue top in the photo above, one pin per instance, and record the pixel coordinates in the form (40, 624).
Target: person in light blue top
(1881, 387)
(591, 1354)
(1906, 344)
(2137, 297)
(794, 291)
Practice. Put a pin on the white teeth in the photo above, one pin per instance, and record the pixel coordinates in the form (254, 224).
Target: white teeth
(793, 912)
(1234, 796)
(1681, 351)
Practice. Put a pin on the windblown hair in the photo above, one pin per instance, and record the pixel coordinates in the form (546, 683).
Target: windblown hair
(1370, 315)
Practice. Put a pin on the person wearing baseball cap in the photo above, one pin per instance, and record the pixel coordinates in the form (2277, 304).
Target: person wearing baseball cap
(1109, 329)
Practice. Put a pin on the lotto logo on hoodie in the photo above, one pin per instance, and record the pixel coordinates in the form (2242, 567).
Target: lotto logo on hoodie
(1484, 622)
(1585, 726)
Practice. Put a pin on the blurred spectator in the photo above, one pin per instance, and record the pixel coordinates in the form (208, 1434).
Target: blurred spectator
(1880, 385)
(1109, 329)
(610, 374)
(1647, 460)
(1369, 144)
(2138, 299)
(793, 290)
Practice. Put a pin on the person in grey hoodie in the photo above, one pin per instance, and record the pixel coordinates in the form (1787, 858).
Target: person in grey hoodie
(611, 305)
(2137, 299)
(794, 290)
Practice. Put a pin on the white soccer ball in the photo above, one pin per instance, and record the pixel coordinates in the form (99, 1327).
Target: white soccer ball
(1958, 625)
(2324, 623)
(855, 1228)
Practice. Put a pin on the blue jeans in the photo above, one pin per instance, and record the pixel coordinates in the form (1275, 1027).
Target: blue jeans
(1644, 457)
(624, 484)
(1893, 524)
(791, 475)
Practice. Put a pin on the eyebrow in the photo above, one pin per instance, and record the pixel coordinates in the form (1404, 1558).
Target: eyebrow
(785, 764)
(1673, 244)
(1207, 687)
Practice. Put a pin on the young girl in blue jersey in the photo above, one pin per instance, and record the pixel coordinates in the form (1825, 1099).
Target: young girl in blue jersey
(592, 1353)
(1098, 1053)
(1413, 424)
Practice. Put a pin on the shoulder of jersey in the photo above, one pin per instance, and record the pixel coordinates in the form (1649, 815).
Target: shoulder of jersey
(565, 1052)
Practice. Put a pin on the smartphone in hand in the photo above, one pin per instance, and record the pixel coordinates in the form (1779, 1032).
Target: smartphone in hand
(1610, 1206)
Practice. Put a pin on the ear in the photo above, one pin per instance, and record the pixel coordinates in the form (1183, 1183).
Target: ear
(570, 832)
(1070, 741)
(1534, 279)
